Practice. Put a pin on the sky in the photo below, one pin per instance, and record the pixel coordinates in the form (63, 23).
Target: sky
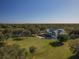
(39, 11)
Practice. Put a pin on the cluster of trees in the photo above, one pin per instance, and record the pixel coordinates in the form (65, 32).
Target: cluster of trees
(38, 27)
(74, 47)
(15, 52)
(23, 30)
(12, 52)
(63, 37)
(60, 40)
(10, 33)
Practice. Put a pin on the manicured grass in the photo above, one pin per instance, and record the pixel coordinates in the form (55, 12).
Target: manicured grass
(44, 50)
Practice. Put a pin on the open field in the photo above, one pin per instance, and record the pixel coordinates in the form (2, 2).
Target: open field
(44, 50)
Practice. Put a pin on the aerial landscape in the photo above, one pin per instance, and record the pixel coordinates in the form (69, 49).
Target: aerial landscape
(39, 41)
(39, 29)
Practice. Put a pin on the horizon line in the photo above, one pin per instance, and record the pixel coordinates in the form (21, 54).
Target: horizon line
(41, 23)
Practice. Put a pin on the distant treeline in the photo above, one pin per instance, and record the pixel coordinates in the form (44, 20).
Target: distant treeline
(67, 27)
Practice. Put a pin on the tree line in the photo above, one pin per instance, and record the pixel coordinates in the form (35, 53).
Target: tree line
(28, 29)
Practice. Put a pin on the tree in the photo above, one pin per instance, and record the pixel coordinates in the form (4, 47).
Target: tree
(63, 37)
(32, 50)
(74, 47)
(12, 52)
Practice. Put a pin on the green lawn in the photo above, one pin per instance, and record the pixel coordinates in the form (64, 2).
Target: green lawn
(44, 50)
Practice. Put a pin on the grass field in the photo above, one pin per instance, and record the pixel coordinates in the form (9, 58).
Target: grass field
(44, 50)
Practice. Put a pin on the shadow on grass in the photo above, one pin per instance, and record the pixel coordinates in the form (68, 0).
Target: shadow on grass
(74, 57)
(18, 39)
(56, 44)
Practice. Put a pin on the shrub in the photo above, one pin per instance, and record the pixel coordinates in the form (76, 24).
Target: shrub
(32, 49)
(74, 47)
(18, 39)
(56, 44)
(63, 38)
(73, 36)
(12, 52)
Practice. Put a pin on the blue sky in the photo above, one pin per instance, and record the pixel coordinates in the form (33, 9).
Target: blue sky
(39, 11)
